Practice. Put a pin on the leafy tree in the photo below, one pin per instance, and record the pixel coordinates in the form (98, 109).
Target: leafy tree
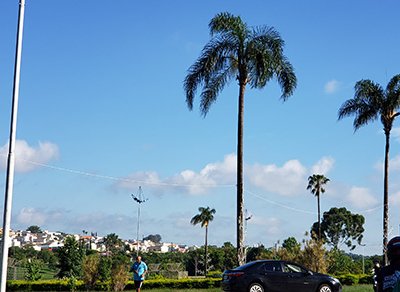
(257, 253)
(113, 243)
(290, 250)
(17, 253)
(48, 257)
(34, 229)
(316, 184)
(291, 244)
(194, 263)
(119, 277)
(33, 270)
(252, 56)
(341, 263)
(340, 226)
(90, 270)
(105, 265)
(216, 258)
(313, 255)
(70, 258)
(205, 216)
(369, 103)
(229, 259)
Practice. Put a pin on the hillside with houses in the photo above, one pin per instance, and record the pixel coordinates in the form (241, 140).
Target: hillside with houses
(49, 240)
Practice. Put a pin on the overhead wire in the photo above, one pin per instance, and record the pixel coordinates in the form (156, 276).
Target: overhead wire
(146, 182)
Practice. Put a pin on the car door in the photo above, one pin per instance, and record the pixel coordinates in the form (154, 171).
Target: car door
(298, 278)
(274, 279)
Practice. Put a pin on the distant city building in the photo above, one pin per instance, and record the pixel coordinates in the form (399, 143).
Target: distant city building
(47, 240)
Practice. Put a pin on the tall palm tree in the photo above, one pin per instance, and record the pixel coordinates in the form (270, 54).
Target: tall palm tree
(316, 184)
(371, 102)
(205, 216)
(252, 56)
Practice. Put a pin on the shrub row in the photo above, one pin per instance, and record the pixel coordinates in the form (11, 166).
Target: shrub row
(354, 279)
(66, 285)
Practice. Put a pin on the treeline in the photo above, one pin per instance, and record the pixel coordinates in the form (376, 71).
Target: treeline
(76, 261)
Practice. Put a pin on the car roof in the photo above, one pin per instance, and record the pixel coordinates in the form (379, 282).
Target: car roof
(257, 262)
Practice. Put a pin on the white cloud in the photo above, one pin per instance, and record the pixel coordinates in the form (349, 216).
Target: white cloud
(271, 226)
(395, 133)
(33, 216)
(323, 166)
(394, 164)
(187, 181)
(211, 175)
(27, 157)
(285, 180)
(331, 86)
(361, 198)
(395, 199)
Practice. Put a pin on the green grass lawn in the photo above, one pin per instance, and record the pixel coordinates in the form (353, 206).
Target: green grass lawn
(356, 288)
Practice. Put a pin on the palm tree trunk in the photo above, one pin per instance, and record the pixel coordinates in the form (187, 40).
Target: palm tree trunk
(319, 217)
(240, 236)
(386, 197)
(205, 253)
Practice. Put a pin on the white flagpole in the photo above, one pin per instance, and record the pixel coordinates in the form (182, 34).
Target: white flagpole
(11, 158)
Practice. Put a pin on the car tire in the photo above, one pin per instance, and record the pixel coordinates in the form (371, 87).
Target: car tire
(256, 287)
(324, 288)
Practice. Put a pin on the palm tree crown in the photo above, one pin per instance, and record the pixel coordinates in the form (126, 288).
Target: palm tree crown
(316, 184)
(251, 56)
(371, 102)
(205, 216)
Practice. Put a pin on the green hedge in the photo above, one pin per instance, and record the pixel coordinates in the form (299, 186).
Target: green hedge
(65, 285)
(354, 279)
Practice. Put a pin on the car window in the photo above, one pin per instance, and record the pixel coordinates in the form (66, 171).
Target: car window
(273, 267)
(246, 266)
(292, 268)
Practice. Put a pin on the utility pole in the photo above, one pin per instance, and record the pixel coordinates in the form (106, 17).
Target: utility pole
(140, 200)
(11, 158)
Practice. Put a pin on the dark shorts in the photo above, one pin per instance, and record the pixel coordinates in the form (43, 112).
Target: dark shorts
(138, 284)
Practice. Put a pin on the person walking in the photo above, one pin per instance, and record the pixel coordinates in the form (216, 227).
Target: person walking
(388, 278)
(139, 269)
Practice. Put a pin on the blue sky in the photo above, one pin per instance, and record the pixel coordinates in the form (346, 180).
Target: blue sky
(102, 111)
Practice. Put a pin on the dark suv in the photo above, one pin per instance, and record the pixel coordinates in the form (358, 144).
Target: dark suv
(277, 276)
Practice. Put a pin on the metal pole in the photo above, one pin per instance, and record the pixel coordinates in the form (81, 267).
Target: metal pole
(137, 236)
(11, 158)
(138, 199)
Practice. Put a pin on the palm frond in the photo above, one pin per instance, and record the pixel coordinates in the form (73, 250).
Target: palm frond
(394, 84)
(228, 24)
(216, 60)
(316, 183)
(214, 86)
(266, 60)
(286, 78)
(205, 216)
(366, 106)
(393, 92)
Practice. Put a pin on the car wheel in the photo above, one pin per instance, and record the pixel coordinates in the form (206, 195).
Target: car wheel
(324, 288)
(256, 287)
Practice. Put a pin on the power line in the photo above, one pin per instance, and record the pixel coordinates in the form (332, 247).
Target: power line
(120, 179)
(89, 174)
(300, 210)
